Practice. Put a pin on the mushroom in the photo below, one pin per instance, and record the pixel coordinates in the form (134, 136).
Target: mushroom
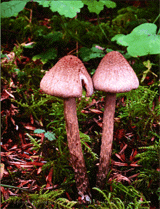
(113, 75)
(65, 79)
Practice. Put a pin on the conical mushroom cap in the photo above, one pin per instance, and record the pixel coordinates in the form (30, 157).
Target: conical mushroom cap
(114, 74)
(66, 78)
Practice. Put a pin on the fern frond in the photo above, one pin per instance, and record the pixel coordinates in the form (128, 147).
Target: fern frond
(85, 138)
(64, 203)
(150, 156)
(12, 199)
(36, 143)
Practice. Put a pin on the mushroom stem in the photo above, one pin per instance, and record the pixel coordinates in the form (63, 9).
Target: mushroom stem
(107, 138)
(74, 144)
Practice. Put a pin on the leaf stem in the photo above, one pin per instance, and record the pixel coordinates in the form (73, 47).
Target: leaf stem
(156, 18)
(13, 187)
(102, 28)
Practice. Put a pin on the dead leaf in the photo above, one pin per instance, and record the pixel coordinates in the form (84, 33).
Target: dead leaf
(5, 95)
(13, 110)
(119, 178)
(123, 149)
(68, 196)
(24, 182)
(29, 127)
(120, 134)
(14, 147)
(49, 178)
(11, 193)
(134, 164)
(10, 57)
(119, 163)
(85, 111)
(32, 119)
(5, 193)
(117, 120)
(133, 176)
(39, 170)
(119, 157)
(26, 165)
(96, 111)
(98, 123)
(133, 154)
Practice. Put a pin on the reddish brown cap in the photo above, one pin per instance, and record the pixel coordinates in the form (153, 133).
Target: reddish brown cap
(66, 78)
(114, 74)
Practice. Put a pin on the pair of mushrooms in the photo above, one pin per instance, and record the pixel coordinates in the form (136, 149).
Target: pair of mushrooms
(66, 79)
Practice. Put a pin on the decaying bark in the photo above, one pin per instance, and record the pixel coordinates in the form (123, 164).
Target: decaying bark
(74, 144)
(107, 138)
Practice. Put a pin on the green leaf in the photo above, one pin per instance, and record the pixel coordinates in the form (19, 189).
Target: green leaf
(98, 6)
(85, 137)
(29, 45)
(94, 6)
(66, 8)
(109, 4)
(39, 131)
(142, 41)
(45, 56)
(52, 37)
(12, 8)
(119, 39)
(90, 53)
(50, 136)
(44, 3)
(3, 56)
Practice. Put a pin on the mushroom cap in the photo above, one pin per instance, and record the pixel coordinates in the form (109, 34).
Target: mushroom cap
(114, 74)
(66, 78)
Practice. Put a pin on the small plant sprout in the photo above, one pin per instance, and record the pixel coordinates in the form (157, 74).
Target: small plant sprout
(113, 75)
(65, 80)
